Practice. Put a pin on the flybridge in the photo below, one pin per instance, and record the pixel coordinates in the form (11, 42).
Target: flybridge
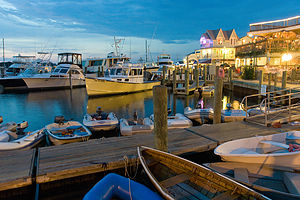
(70, 58)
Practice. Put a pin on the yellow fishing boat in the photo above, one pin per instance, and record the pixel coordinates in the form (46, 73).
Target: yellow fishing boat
(118, 80)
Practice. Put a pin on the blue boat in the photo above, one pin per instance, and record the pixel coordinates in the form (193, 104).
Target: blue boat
(116, 186)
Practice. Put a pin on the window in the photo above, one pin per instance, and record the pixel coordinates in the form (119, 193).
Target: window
(140, 72)
(119, 72)
(63, 71)
(113, 72)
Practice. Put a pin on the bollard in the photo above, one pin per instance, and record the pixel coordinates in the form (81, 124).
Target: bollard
(218, 98)
(187, 82)
(160, 117)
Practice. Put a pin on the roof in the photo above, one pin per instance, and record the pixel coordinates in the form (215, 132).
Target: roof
(227, 34)
(213, 33)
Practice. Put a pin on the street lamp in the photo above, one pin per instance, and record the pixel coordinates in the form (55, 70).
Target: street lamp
(285, 58)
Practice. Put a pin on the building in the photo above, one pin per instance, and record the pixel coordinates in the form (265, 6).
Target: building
(273, 45)
(216, 48)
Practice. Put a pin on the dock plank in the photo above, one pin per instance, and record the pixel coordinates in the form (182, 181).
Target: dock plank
(15, 169)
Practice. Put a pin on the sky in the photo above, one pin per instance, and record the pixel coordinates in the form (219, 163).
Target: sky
(89, 27)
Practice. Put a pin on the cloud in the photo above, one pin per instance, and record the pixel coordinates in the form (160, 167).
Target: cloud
(7, 6)
(23, 20)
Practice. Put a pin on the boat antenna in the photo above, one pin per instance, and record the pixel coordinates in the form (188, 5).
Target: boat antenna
(146, 51)
(3, 67)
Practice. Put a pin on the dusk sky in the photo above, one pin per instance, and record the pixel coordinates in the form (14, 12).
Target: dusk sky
(88, 27)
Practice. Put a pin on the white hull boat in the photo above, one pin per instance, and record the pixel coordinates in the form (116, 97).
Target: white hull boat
(177, 121)
(26, 141)
(268, 150)
(232, 115)
(198, 114)
(208, 90)
(68, 132)
(111, 122)
(143, 126)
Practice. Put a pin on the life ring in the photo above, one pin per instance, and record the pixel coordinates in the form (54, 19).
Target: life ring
(221, 73)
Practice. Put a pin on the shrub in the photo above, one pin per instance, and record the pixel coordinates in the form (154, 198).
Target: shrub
(248, 73)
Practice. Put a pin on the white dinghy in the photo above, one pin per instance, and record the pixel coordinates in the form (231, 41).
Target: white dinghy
(141, 126)
(177, 121)
(62, 132)
(232, 115)
(101, 121)
(26, 141)
(198, 114)
(268, 150)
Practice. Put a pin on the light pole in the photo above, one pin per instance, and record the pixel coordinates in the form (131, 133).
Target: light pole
(286, 57)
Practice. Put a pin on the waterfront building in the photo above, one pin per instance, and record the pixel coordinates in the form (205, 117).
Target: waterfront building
(272, 46)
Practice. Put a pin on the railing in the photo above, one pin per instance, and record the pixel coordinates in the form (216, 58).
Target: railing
(275, 24)
(276, 106)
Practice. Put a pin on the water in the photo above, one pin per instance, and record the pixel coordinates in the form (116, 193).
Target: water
(40, 108)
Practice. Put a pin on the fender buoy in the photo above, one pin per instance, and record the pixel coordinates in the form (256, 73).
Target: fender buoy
(221, 73)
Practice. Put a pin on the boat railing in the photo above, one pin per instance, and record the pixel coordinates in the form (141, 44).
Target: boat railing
(277, 106)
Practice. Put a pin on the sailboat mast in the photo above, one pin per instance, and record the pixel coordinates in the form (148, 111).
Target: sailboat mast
(146, 51)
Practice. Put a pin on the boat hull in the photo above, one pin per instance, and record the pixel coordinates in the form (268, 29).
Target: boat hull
(253, 150)
(100, 87)
(51, 82)
(56, 141)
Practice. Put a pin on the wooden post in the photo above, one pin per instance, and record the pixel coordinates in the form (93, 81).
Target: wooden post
(197, 77)
(284, 79)
(160, 117)
(260, 80)
(205, 74)
(102, 71)
(186, 82)
(70, 79)
(85, 70)
(99, 73)
(164, 76)
(230, 79)
(218, 98)
(275, 81)
(269, 82)
(174, 80)
(174, 104)
(169, 75)
(293, 76)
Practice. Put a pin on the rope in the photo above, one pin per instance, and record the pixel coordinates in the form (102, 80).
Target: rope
(126, 161)
(129, 189)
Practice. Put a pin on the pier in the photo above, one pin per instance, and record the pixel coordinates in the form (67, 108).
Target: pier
(61, 165)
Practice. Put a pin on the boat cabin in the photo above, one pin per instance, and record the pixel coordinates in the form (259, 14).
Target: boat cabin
(70, 58)
(63, 70)
(130, 73)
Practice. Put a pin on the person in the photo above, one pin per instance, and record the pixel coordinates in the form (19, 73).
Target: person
(200, 104)
(99, 114)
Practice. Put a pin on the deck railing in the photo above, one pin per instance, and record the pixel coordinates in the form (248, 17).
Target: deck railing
(276, 106)
(275, 24)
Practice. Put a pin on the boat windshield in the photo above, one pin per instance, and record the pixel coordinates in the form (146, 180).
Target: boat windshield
(113, 71)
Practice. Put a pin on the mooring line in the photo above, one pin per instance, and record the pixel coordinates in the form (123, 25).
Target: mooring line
(202, 136)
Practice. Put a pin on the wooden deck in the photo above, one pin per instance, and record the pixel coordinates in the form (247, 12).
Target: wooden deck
(72, 160)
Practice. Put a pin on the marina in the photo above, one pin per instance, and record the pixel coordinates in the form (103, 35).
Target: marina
(93, 120)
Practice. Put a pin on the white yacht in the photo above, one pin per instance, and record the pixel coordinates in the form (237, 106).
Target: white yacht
(20, 64)
(164, 60)
(67, 74)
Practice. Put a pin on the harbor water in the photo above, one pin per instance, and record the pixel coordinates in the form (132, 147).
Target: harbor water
(40, 108)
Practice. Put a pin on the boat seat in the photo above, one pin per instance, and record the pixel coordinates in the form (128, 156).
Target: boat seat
(243, 151)
(241, 174)
(292, 182)
(278, 144)
(73, 127)
(174, 180)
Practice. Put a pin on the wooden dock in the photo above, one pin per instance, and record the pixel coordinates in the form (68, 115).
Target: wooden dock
(58, 163)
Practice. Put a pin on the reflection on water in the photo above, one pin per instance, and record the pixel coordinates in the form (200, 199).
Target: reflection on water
(40, 108)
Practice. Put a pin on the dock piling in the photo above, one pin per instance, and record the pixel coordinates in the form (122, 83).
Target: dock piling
(174, 80)
(205, 74)
(164, 76)
(160, 106)
(218, 98)
(186, 82)
(99, 73)
(70, 80)
(197, 77)
(269, 82)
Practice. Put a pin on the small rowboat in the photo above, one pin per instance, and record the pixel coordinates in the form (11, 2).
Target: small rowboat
(109, 123)
(114, 186)
(67, 132)
(198, 114)
(272, 182)
(178, 178)
(128, 127)
(270, 150)
(26, 141)
(177, 121)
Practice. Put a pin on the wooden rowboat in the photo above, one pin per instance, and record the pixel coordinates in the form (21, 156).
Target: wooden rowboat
(268, 180)
(178, 178)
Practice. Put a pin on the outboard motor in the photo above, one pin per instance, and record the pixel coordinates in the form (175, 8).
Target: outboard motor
(1, 119)
(59, 119)
(21, 126)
